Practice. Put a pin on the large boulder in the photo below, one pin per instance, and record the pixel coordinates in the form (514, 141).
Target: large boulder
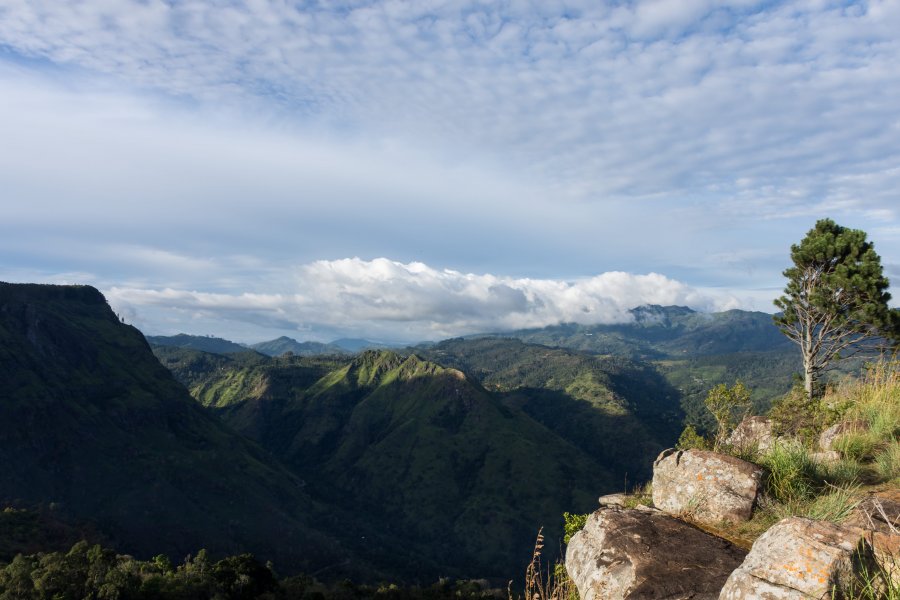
(828, 437)
(643, 553)
(753, 433)
(800, 559)
(706, 486)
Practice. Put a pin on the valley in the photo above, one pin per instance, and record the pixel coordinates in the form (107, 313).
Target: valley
(439, 459)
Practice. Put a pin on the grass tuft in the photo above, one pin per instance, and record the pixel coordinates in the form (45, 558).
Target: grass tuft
(887, 461)
(793, 475)
(540, 585)
(836, 505)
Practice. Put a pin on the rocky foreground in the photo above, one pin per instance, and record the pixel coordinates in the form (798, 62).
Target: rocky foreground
(663, 551)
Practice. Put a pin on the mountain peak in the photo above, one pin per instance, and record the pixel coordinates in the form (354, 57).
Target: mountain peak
(653, 314)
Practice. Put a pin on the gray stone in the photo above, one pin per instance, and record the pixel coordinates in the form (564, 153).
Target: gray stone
(613, 500)
(624, 553)
(752, 433)
(706, 486)
(830, 435)
(800, 559)
(826, 456)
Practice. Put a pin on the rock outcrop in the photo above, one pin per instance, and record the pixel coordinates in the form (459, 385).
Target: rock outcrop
(632, 553)
(613, 499)
(706, 486)
(801, 559)
(879, 514)
(828, 437)
(753, 433)
(826, 456)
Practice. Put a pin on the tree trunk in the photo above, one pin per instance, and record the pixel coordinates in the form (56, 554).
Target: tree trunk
(809, 377)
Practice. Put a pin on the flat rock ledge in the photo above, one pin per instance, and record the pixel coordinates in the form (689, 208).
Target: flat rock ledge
(629, 553)
(613, 500)
(706, 486)
(800, 559)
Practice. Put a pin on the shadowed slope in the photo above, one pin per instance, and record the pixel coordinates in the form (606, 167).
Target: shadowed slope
(91, 421)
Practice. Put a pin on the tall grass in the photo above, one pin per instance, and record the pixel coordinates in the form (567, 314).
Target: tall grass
(792, 475)
(546, 584)
(875, 401)
(874, 583)
(887, 462)
(799, 485)
(836, 505)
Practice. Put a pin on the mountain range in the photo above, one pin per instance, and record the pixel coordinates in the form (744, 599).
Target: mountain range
(658, 332)
(276, 347)
(435, 460)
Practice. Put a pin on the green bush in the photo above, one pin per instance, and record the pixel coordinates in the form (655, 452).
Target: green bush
(728, 405)
(691, 440)
(572, 524)
(795, 415)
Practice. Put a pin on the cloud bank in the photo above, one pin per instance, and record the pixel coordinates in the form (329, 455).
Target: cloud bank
(414, 301)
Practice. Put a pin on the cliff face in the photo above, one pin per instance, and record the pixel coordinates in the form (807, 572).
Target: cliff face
(90, 421)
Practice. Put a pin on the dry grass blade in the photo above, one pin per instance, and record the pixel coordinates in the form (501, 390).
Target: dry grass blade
(552, 585)
(880, 508)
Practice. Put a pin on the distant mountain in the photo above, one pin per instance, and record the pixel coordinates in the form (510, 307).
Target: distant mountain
(354, 345)
(197, 342)
(666, 332)
(279, 346)
(93, 425)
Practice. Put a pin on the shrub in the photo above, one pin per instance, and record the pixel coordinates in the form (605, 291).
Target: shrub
(728, 405)
(572, 524)
(691, 440)
(795, 415)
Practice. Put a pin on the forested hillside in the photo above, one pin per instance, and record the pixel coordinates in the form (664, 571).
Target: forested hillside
(93, 426)
(431, 452)
(666, 332)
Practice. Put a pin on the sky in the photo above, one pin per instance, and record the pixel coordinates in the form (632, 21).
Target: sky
(405, 171)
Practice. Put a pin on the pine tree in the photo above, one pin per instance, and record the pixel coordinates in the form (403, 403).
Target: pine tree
(835, 302)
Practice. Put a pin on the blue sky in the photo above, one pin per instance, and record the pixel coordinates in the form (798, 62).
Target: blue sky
(415, 170)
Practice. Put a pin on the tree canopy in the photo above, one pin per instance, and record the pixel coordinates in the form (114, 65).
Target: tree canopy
(836, 301)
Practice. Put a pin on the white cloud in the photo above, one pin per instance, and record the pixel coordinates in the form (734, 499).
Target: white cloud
(414, 301)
